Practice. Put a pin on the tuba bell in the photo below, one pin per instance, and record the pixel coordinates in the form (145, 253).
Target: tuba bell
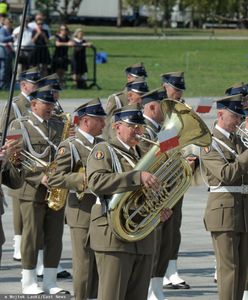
(135, 214)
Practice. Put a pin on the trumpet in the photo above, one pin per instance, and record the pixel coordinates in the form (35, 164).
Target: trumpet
(30, 162)
(243, 133)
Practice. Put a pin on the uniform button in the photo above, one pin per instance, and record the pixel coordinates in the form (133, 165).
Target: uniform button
(221, 205)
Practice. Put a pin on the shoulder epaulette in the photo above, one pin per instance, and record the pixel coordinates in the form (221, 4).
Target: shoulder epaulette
(23, 118)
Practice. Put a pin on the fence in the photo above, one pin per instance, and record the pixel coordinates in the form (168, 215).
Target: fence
(29, 56)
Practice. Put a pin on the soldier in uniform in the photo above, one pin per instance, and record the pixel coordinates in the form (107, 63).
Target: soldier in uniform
(226, 214)
(70, 173)
(134, 90)
(20, 107)
(120, 99)
(124, 268)
(11, 176)
(174, 86)
(41, 137)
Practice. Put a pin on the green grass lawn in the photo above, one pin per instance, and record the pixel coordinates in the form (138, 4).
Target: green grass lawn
(210, 66)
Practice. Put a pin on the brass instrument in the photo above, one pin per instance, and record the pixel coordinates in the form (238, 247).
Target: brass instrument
(56, 197)
(134, 214)
(243, 133)
(30, 162)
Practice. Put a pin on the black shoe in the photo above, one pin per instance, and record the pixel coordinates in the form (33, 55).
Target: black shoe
(17, 259)
(168, 286)
(64, 274)
(182, 286)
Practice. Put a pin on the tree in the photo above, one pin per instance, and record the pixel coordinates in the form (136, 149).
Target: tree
(69, 7)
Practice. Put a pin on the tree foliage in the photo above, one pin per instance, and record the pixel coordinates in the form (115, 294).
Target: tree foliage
(63, 8)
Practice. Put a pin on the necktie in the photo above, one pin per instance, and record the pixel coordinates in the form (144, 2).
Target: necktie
(134, 152)
(231, 137)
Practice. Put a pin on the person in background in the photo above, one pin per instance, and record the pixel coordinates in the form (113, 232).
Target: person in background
(174, 86)
(79, 63)
(60, 58)
(6, 53)
(27, 47)
(40, 17)
(40, 55)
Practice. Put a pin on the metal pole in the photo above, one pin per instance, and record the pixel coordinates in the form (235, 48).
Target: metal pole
(13, 78)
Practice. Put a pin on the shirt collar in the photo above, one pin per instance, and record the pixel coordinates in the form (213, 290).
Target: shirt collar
(124, 144)
(26, 96)
(38, 117)
(152, 121)
(223, 131)
(88, 136)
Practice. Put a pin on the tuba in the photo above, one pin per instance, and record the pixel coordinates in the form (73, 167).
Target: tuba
(243, 133)
(135, 214)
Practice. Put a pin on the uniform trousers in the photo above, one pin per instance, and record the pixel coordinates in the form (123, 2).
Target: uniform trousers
(17, 217)
(85, 277)
(167, 241)
(123, 276)
(41, 223)
(231, 250)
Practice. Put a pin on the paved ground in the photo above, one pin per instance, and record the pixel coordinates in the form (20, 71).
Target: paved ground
(196, 261)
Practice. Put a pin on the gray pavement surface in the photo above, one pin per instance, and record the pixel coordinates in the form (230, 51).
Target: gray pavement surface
(196, 259)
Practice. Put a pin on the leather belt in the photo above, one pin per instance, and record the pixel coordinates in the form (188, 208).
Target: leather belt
(242, 189)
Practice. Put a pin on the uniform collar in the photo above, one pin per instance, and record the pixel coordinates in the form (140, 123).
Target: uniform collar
(88, 136)
(154, 123)
(38, 117)
(223, 131)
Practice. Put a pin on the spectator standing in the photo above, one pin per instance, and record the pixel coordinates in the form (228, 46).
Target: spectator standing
(40, 56)
(79, 64)
(6, 53)
(60, 56)
(40, 17)
(27, 47)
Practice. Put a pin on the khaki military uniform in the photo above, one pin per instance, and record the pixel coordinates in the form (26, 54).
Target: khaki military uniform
(70, 174)
(39, 221)
(226, 214)
(124, 268)
(20, 107)
(114, 102)
(13, 178)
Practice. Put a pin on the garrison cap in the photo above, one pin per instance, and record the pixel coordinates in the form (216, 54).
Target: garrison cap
(154, 95)
(137, 70)
(238, 88)
(232, 103)
(137, 87)
(30, 75)
(131, 114)
(52, 80)
(44, 94)
(92, 108)
(175, 79)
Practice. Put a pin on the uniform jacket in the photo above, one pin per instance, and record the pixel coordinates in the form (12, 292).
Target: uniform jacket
(67, 175)
(105, 182)
(13, 178)
(20, 105)
(226, 211)
(32, 189)
(114, 102)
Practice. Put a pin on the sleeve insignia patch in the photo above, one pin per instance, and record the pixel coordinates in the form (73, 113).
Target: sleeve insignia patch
(99, 155)
(61, 151)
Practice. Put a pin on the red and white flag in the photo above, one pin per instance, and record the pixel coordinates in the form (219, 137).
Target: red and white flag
(204, 105)
(168, 139)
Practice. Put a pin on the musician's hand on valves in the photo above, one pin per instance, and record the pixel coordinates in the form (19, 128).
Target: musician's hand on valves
(11, 150)
(150, 181)
(165, 214)
(44, 181)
